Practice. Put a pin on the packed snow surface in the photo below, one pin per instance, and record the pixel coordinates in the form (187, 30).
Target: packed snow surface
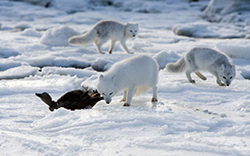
(188, 119)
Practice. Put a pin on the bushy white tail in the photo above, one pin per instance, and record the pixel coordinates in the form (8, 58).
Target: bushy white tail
(177, 67)
(84, 39)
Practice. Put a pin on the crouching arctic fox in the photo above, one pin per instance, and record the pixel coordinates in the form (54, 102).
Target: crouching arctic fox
(205, 59)
(134, 75)
(107, 30)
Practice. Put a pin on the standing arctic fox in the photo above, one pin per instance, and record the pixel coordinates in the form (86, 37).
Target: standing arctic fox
(107, 30)
(134, 75)
(205, 59)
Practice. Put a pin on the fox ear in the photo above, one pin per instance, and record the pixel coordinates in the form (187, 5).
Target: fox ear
(222, 67)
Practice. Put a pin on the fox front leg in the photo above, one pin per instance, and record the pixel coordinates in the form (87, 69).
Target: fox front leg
(188, 74)
(129, 96)
(125, 47)
(218, 79)
(219, 82)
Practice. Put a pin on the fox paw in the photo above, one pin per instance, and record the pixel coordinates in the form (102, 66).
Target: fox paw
(130, 52)
(154, 100)
(192, 81)
(126, 104)
(101, 52)
(221, 84)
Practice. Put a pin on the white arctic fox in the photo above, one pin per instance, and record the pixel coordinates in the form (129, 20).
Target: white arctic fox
(107, 30)
(205, 59)
(133, 75)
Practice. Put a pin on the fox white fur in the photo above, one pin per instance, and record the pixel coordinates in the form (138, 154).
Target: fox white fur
(132, 76)
(205, 59)
(107, 30)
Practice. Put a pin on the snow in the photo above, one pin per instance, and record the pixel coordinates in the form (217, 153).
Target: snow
(223, 11)
(203, 29)
(235, 48)
(189, 119)
(58, 36)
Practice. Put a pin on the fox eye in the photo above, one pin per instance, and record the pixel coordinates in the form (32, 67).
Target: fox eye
(130, 30)
(135, 30)
(103, 94)
(111, 93)
(224, 77)
(231, 77)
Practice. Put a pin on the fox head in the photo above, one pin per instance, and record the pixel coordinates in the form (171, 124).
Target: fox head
(227, 74)
(107, 88)
(132, 30)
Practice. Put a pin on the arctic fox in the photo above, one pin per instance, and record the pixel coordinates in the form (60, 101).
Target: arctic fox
(107, 30)
(134, 75)
(205, 59)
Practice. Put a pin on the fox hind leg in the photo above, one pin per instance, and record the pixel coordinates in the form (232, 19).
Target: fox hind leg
(98, 43)
(125, 94)
(112, 43)
(154, 99)
(200, 75)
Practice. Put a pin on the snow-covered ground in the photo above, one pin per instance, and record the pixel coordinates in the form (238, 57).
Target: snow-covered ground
(189, 119)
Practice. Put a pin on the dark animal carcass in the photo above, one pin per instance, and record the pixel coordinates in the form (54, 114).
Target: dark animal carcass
(76, 99)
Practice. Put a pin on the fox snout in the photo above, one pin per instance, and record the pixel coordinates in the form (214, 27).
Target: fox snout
(134, 35)
(107, 100)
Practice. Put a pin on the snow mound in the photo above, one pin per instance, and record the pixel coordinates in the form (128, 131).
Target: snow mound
(227, 10)
(101, 65)
(22, 26)
(66, 71)
(58, 36)
(7, 52)
(48, 60)
(235, 48)
(14, 73)
(70, 7)
(165, 57)
(31, 32)
(37, 2)
(7, 64)
(208, 30)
